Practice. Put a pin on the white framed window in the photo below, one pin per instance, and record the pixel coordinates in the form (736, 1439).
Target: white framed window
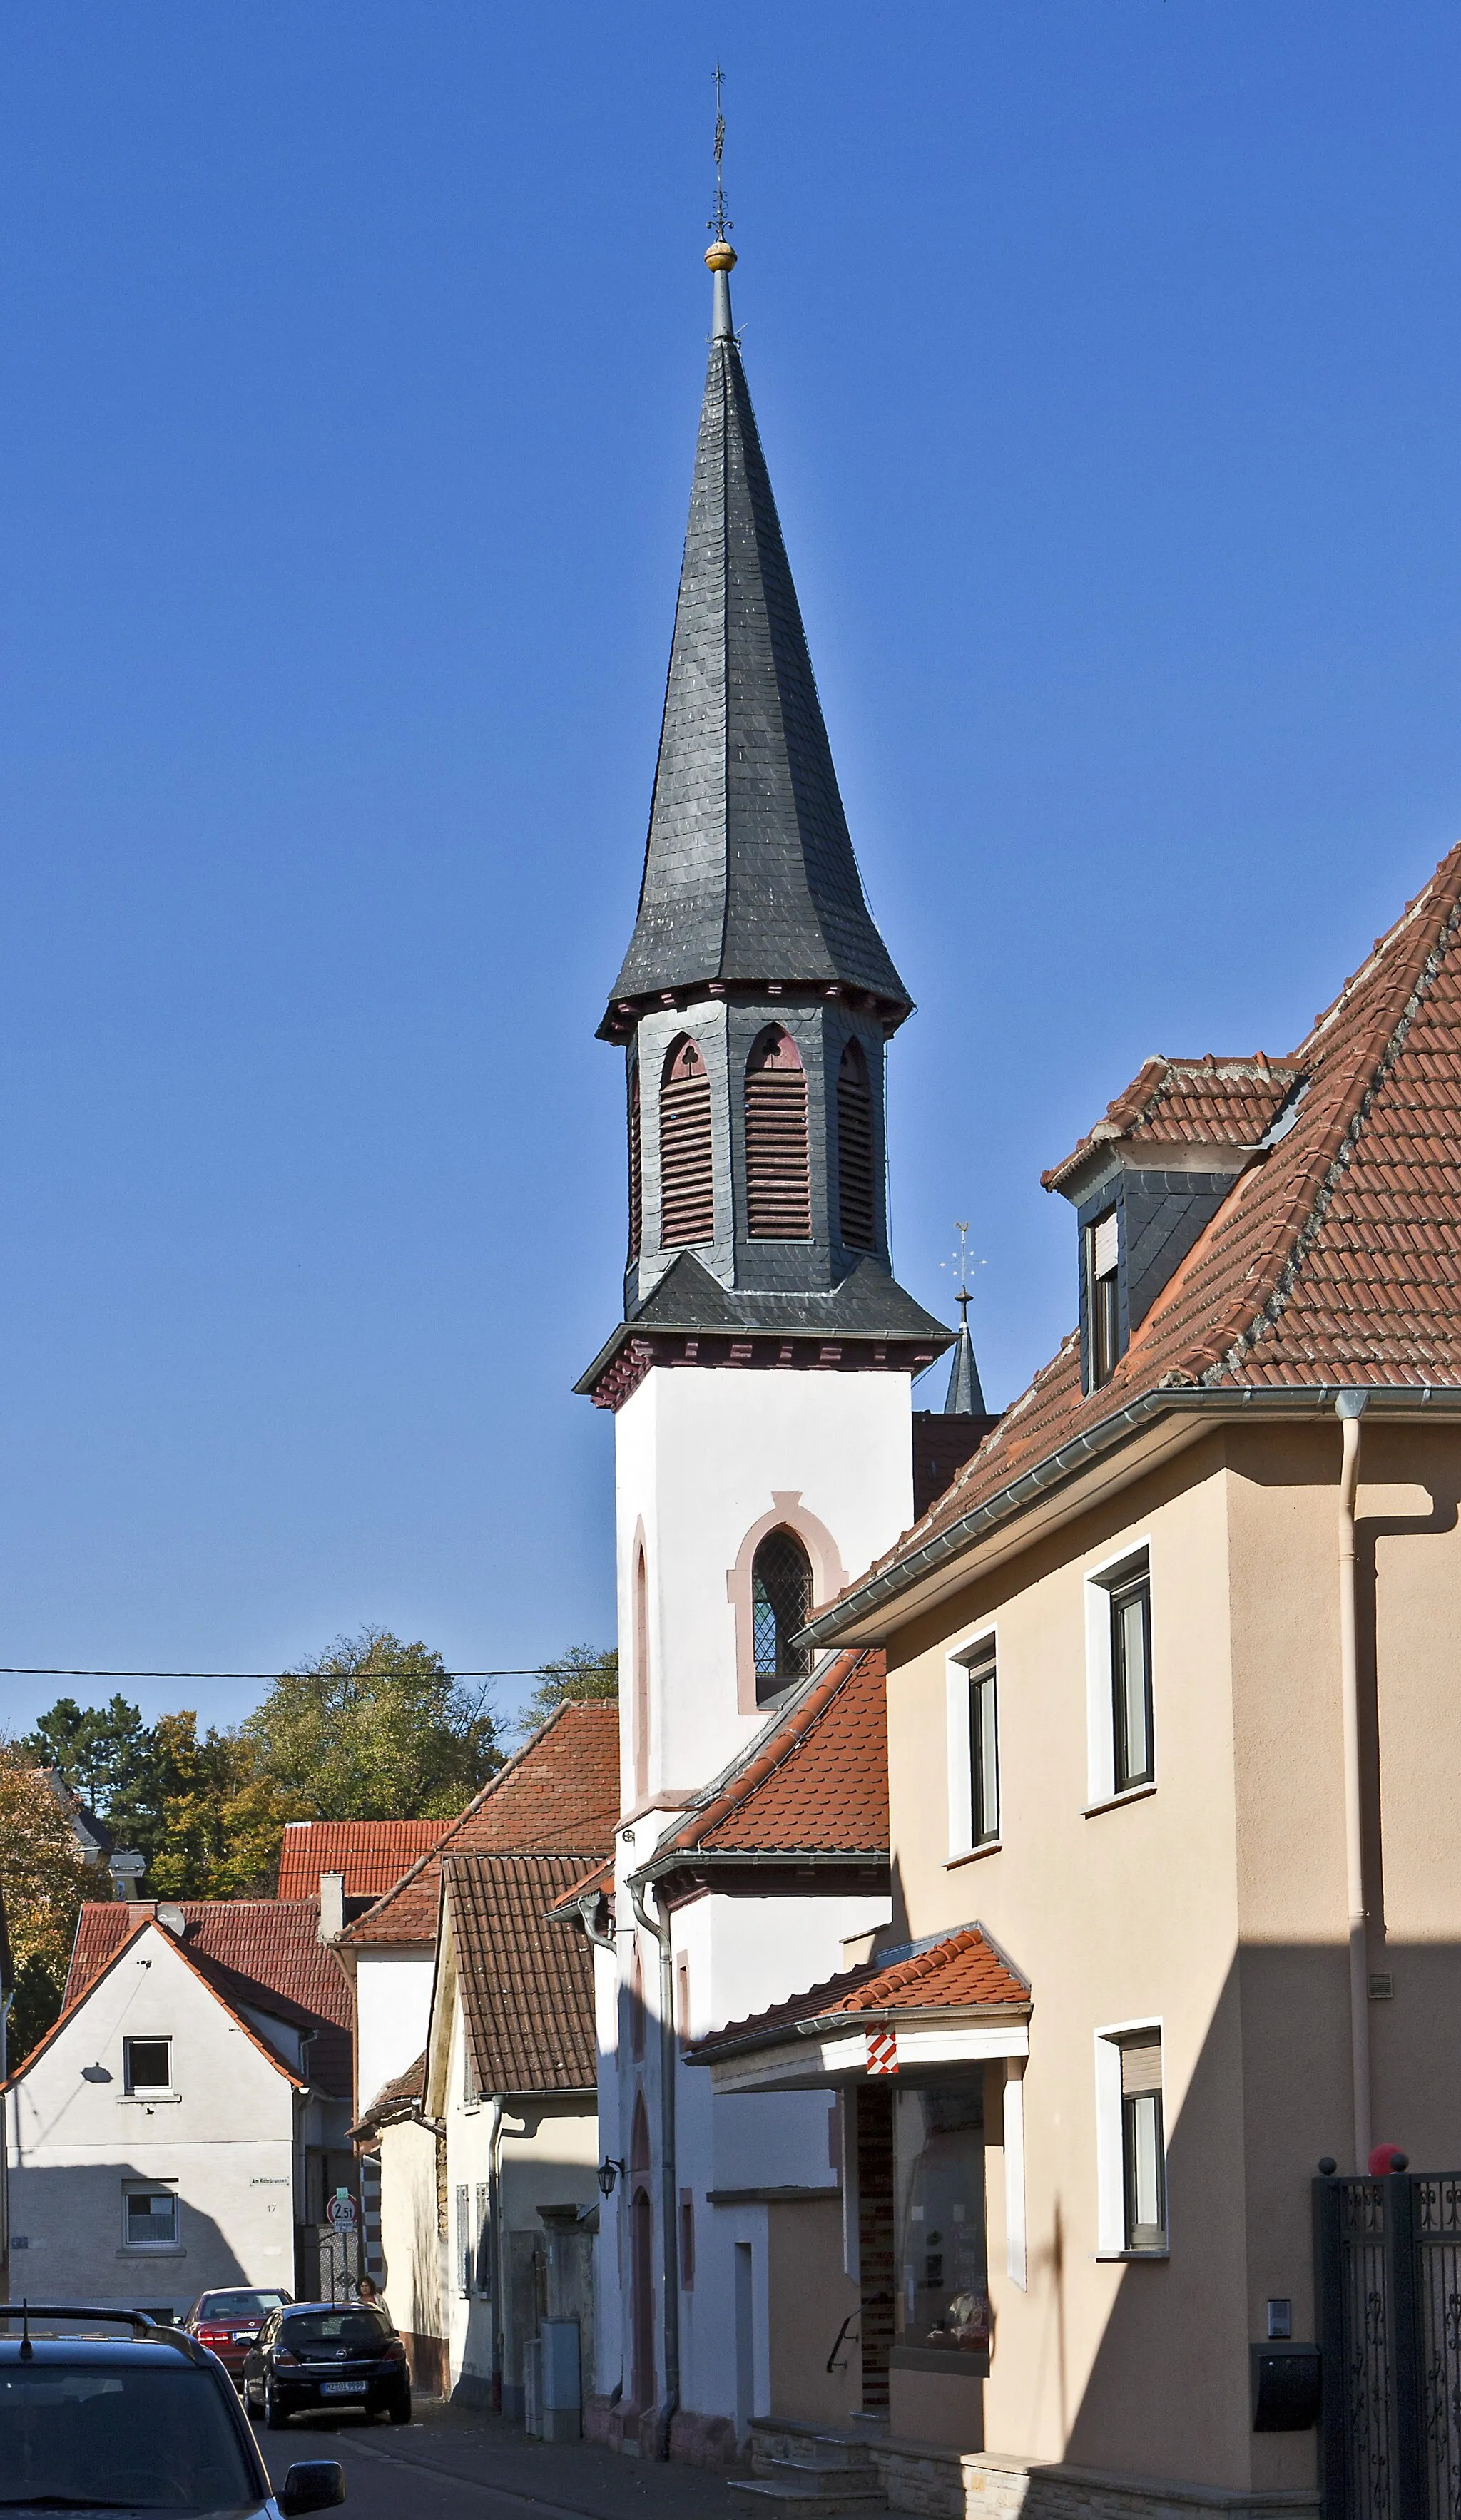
(1103, 1292)
(1120, 1730)
(149, 2217)
(1131, 2142)
(147, 2064)
(972, 1681)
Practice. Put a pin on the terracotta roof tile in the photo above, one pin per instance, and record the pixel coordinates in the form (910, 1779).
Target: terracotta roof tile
(264, 1952)
(815, 1781)
(1206, 1102)
(371, 1853)
(958, 1970)
(528, 1991)
(560, 1792)
(394, 2099)
(1336, 1257)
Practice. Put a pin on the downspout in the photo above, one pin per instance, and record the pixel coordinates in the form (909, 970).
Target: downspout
(6, 2000)
(1349, 1407)
(494, 2228)
(668, 2064)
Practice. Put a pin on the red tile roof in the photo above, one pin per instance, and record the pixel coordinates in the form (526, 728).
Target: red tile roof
(263, 1951)
(528, 1991)
(1336, 1257)
(139, 1918)
(394, 2099)
(816, 1783)
(961, 1971)
(371, 1853)
(558, 1796)
(1189, 1102)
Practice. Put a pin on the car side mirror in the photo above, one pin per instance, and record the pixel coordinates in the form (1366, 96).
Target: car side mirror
(312, 2485)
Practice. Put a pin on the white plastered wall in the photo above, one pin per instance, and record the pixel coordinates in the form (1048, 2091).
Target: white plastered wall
(392, 2012)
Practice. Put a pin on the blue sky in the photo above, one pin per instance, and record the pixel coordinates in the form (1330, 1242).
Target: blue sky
(1106, 357)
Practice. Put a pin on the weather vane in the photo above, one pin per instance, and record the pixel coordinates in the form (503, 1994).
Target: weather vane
(959, 1263)
(720, 226)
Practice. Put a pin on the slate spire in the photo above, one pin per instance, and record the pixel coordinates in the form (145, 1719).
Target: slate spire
(749, 873)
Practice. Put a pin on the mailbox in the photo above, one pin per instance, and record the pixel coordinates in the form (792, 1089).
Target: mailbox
(1285, 2387)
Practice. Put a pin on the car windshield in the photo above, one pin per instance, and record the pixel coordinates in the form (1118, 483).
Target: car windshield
(102, 2437)
(334, 2327)
(239, 2305)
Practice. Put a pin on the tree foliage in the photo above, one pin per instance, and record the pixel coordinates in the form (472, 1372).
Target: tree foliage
(43, 1879)
(582, 1671)
(375, 1729)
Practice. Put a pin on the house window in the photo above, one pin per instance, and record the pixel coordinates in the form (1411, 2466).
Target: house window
(483, 2271)
(983, 1750)
(778, 1170)
(687, 2239)
(147, 2064)
(682, 2001)
(1143, 2151)
(148, 2218)
(780, 1605)
(1102, 1292)
(941, 2300)
(636, 2006)
(856, 1199)
(687, 1175)
(466, 2254)
(1131, 1682)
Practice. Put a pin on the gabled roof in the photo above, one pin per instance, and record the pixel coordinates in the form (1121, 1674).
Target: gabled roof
(1209, 1102)
(265, 1953)
(210, 1977)
(560, 1792)
(961, 1971)
(749, 870)
(527, 1993)
(1335, 1260)
(371, 1853)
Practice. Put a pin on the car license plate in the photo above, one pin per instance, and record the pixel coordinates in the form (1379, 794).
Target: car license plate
(343, 2388)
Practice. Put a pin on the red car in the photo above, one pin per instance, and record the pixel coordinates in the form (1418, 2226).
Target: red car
(228, 2323)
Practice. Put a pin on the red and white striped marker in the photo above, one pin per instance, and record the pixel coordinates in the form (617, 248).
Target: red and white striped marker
(882, 2051)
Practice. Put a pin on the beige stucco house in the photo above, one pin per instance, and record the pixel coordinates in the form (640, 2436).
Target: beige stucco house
(1174, 1736)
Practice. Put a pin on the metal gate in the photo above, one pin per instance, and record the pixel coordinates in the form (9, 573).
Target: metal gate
(1387, 2268)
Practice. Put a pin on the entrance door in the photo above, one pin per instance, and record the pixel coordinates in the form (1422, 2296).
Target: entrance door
(745, 2340)
(873, 2102)
(642, 2298)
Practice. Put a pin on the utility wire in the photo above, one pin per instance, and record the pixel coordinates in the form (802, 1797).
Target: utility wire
(57, 1671)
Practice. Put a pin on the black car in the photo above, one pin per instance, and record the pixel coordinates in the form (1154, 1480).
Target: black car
(148, 2422)
(327, 2354)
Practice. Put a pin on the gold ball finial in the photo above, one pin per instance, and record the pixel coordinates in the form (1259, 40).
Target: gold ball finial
(721, 256)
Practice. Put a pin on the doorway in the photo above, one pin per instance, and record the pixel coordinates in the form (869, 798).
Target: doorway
(745, 2340)
(642, 2299)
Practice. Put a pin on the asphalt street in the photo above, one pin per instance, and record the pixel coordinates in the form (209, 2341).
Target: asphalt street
(455, 2463)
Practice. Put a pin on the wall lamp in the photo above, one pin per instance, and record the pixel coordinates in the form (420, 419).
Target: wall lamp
(607, 2173)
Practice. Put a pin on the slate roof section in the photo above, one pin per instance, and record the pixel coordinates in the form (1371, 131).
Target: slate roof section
(867, 1309)
(1209, 1102)
(527, 1993)
(962, 1971)
(371, 1853)
(749, 870)
(1335, 1259)
(560, 1793)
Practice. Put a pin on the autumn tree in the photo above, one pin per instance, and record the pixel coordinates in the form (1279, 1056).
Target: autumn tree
(581, 1671)
(375, 1729)
(43, 1879)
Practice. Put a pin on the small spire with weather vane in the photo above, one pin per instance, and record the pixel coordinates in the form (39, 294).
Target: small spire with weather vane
(720, 254)
(964, 1397)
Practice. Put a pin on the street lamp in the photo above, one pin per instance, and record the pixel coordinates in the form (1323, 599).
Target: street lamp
(608, 2172)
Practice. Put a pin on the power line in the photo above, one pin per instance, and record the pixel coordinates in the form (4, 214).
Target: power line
(58, 1671)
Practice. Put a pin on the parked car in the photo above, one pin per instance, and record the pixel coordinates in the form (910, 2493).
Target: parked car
(327, 2354)
(228, 2323)
(145, 2422)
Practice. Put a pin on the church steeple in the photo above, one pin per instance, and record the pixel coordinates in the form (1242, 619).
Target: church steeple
(757, 997)
(748, 872)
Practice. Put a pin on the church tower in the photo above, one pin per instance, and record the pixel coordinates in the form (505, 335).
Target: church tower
(761, 1374)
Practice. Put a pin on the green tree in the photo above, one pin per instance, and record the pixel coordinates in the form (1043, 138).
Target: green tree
(375, 1729)
(43, 1881)
(219, 1819)
(104, 1752)
(582, 1671)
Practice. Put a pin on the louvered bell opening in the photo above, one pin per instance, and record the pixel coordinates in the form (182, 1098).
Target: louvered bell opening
(857, 1204)
(778, 1170)
(636, 1175)
(687, 1175)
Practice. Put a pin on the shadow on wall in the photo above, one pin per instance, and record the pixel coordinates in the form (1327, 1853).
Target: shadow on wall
(67, 2227)
(418, 2318)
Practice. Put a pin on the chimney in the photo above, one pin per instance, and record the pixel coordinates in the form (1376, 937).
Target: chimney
(332, 1906)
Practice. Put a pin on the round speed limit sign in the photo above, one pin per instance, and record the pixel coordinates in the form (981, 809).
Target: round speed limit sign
(340, 2211)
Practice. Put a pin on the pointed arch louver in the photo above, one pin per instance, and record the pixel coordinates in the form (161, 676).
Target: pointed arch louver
(856, 1189)
(636, 1173)
(686, 1173)
(778, 1169)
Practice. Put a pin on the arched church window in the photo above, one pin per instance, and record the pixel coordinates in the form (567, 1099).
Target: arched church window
(636, 1176)
(778, 1173)
(780, 1604)
(856, 1195)
(687, 1179)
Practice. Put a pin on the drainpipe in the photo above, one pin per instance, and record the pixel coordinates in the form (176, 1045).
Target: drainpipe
(668, 2063)
(494, 2228)
(1350, 1408)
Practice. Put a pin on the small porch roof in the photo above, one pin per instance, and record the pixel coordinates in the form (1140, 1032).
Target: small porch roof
(953, 1999)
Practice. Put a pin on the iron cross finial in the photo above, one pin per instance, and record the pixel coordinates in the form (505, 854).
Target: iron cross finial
(959, 1263)
(719, 225)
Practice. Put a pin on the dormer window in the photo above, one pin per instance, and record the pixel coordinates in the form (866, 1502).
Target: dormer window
(1103, 1293)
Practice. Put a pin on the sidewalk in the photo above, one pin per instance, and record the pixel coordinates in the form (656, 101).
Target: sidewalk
(470, 2445)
